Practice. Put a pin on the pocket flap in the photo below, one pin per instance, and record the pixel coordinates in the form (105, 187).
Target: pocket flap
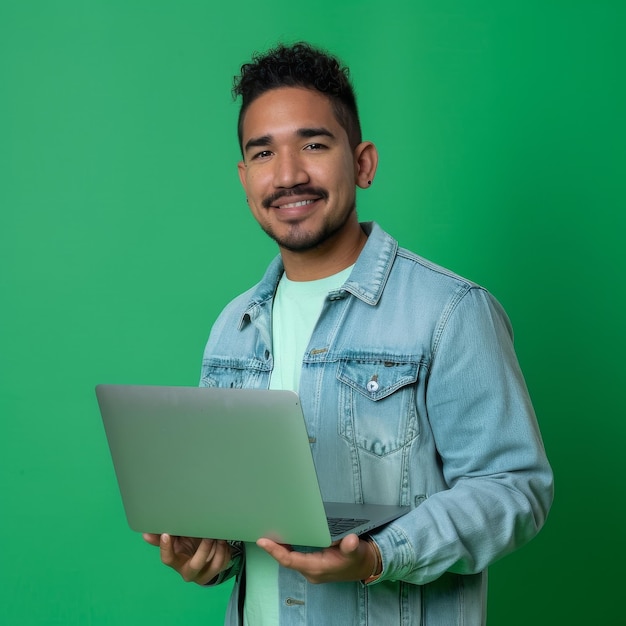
(377, 378)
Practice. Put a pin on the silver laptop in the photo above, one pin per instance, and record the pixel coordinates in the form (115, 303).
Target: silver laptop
(223, 463)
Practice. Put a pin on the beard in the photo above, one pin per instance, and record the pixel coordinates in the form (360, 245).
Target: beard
(301, 238)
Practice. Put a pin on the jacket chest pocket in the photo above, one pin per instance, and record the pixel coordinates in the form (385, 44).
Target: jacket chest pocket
(377, 410)
(233, 373)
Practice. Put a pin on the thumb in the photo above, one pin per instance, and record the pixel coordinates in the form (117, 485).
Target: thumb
(349, 544)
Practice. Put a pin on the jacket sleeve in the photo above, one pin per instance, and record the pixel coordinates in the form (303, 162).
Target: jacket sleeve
(500, 484)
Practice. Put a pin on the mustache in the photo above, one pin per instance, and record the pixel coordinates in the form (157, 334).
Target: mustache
(300, 190)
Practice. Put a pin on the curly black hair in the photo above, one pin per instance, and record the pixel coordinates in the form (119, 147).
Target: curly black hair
(300, 65)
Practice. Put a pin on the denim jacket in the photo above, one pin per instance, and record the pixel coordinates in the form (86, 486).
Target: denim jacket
(412, 395)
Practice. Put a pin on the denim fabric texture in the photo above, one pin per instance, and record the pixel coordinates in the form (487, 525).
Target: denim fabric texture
(412, 395)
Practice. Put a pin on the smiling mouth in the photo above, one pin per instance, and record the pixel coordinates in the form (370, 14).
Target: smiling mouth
(294, 205)
(307, 195)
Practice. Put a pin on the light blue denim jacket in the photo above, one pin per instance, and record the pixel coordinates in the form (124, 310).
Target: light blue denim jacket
(413, 395)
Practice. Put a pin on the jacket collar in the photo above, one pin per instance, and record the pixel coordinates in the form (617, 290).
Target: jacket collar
(366, 281)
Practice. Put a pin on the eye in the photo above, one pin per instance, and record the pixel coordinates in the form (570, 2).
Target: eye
(315, 146)
(263, 154)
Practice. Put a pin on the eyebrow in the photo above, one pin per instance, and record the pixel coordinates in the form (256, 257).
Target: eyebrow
(305, 133)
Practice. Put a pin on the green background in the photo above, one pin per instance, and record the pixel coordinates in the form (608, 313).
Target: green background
(123, 231)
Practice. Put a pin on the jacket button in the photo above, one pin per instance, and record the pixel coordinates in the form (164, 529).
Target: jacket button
(372, 386)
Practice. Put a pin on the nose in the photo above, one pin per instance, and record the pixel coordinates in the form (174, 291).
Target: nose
(289, 170)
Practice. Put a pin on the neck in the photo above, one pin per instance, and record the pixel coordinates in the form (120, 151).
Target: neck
(335, 254)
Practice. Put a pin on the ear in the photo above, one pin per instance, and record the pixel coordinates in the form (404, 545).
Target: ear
(241, 168)
(365, 163)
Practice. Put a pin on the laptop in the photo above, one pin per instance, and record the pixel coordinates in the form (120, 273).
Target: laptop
(224, 464)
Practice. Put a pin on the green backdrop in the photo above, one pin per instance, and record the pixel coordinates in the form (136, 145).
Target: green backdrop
(123, 232)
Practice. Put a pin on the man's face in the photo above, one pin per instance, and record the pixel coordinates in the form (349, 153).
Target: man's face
(299, 172)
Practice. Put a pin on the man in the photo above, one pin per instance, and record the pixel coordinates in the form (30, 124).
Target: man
(407, 375)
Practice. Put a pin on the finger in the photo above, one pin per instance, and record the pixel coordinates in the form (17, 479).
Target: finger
(216, 561)
(310, 565)
(167, 550)
(203, 555)
(283, 554)
(152, 539)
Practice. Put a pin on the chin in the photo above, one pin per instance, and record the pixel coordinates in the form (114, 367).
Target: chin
(300, 239)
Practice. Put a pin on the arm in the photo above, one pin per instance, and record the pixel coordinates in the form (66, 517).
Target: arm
(493, 461)
(486, 433)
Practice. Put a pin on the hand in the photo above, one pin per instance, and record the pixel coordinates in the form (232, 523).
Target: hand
(196, 560)
(349, 559)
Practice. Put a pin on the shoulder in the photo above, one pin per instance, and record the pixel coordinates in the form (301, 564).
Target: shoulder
(433, 270)
(434, 287)
(383, 256)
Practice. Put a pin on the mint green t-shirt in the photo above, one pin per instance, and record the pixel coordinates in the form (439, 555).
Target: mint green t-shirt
(297, 306)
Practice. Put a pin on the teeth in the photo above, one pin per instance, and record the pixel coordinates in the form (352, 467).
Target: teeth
(293, 205)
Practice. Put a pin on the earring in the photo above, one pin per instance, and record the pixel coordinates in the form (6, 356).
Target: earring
(369, 182)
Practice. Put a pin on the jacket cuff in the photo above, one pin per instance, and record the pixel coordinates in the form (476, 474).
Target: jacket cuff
(396, 552)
